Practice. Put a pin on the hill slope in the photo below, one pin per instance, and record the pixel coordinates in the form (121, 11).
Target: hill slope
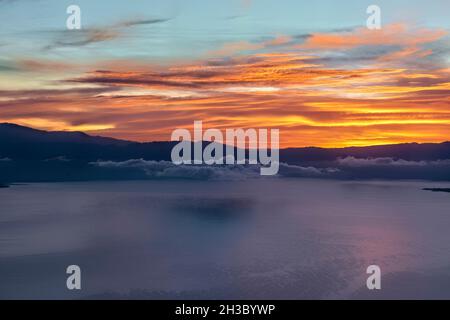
(28, 154)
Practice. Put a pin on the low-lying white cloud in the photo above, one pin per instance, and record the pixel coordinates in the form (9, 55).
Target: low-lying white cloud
(387, 161)
(299, 171)
(166, 169)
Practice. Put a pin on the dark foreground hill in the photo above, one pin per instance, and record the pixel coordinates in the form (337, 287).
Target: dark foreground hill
(29, 155)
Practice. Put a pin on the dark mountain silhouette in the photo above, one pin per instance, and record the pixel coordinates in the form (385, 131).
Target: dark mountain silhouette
(405, 151)
(437, 189)
(23, 143)
(28, 154)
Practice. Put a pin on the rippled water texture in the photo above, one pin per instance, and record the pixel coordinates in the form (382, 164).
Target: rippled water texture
(264, 238)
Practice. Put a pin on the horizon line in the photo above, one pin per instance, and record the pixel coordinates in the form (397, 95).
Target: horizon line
(167, 141)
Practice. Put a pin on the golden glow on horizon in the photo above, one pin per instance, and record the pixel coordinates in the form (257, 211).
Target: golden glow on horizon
(61, 126)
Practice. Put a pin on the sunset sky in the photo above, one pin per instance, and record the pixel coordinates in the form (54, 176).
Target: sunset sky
(138, 70)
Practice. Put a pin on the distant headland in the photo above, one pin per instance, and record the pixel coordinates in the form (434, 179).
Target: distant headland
(437, 189)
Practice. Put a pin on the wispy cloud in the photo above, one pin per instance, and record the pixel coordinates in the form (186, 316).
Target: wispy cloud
(394, 34)
(87, 36)
(140, 22)
(325, 89)
(167, 170)
(387, 161)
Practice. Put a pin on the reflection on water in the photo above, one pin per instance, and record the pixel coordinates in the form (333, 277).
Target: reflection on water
(265, 238)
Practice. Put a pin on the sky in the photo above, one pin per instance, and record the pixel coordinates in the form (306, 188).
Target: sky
(139, 69)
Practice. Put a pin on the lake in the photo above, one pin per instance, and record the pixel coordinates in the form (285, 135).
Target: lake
(251, 239)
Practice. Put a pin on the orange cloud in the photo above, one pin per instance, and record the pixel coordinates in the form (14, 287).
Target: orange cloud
(311, 98)
(394, 34)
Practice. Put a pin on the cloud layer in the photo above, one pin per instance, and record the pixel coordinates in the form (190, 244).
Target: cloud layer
(330, 89)
(387, 161)
(343, 168)
(167, 170)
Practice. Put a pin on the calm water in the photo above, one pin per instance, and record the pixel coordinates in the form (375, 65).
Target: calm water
(274, 238)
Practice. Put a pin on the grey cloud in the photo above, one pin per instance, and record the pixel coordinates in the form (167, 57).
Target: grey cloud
(166, 169)
(299, 171)
(59, 158)
(87, 36)
(362, 162)
(78, 38)
(139, 22)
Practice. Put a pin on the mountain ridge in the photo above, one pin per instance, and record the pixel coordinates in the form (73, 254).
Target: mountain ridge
(31, 155)
(9, 125)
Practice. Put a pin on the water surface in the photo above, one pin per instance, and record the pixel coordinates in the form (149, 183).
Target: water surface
(253, 239)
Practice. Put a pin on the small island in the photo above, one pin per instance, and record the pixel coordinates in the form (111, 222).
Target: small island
(437, 189)
(3, 185)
